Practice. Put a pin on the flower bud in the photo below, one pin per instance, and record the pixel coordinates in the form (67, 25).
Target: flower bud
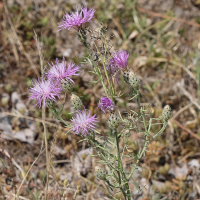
(4, 101)
(113, 121)
(50, 103)
(67, 86)
(126, 75)
(8, 87)
(133, 80)
(76, 102)
(100, 173)
(82, 36)
(166, 113)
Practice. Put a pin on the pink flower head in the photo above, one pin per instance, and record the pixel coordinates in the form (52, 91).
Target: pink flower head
(106, 104)
(120, 59)
(77, 18)
(60, 72)
(83, 122)
(44, 90)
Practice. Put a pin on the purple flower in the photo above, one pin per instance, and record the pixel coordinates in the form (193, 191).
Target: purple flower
(83, 122)
(60, 72)
(44, 90)
(77, 18)
(120, 59)
(106, 104)
(113, 71)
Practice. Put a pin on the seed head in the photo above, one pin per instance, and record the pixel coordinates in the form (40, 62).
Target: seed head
(133, 80)
(76, 19)
(126, 72)
(76, 102)
(83, 123)
(166, 113)
(113, 121)
(67, 86)
(100, 173)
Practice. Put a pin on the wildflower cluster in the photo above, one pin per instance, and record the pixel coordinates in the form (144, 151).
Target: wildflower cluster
(47, 88)
(58, 78)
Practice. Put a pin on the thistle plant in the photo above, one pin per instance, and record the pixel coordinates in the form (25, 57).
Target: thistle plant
(107, 65)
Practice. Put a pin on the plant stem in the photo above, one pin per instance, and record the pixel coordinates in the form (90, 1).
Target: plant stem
(63, 103)
(145, 147)
(118, 179)
(62, 120)
(46, 148)
(138, 99)
(96, 68)
(106, 73)
(121, 167)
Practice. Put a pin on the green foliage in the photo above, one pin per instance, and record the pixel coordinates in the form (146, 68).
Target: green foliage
(49, 43)
(44, 21)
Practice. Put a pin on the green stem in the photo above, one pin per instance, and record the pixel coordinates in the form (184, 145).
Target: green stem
(145, 147)
(96, 69)
(138, 99)
(118, 179)
(118, 156)
(161, 130)
(46, 147)
(119, 169)
(112, 90)
(63, 103)
(98, 145)
(62, 120)
(111, 185)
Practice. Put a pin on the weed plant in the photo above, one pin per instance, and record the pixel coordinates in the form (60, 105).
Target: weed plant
(107, 65)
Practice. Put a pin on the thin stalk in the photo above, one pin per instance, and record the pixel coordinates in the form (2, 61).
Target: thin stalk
(118, 156)
(101, 148)
(106, 73)
(119, 167)
(145, 126)
(96, 69)
(163, 128)
(138, 99)
(108, 191)
(46, 147)
(118, 179)
(111, 185)
(43, 114)
(63, 103)
(145, 147)
(41, 151)
(62, 120)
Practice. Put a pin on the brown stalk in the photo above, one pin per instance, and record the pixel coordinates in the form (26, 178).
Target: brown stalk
(187, 130)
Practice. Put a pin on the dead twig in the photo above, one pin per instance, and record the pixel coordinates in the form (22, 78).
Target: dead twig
(41, 151)
(187, 130)
(12, 160)
(181, 110)
(189, 96)
(34, 119)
